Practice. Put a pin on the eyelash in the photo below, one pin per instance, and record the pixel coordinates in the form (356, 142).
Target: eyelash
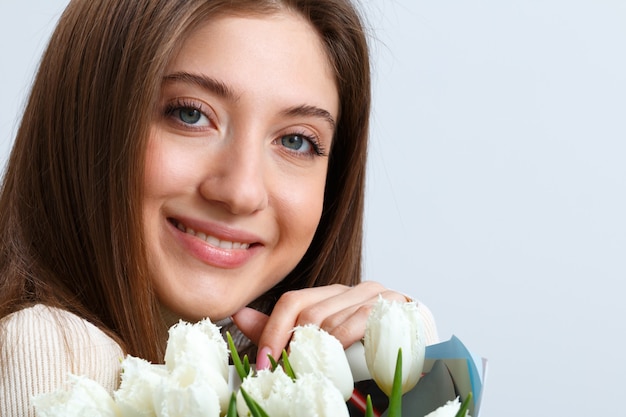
(187, 104)
(318, 149)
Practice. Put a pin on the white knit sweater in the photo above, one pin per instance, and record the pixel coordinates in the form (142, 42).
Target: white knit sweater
(40, 345)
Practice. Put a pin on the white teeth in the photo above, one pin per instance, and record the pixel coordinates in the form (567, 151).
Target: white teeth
(212, 240)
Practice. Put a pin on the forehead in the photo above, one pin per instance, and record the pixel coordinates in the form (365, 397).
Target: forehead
(255, 35)
(271, 54)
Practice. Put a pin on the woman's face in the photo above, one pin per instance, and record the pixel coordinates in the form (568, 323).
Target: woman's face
(237, 161)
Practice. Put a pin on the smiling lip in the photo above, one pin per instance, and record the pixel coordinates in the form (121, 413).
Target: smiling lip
(215, 245)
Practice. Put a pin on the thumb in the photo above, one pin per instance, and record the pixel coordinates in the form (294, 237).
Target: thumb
(251, 323)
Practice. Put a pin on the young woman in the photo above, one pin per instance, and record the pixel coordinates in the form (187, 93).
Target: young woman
(184, 159)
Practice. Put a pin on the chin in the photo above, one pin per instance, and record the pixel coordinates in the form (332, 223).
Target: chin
(203, 312)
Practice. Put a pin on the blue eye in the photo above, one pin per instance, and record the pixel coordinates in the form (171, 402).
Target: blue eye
(188, 113)
(296, 142)
(190, 116)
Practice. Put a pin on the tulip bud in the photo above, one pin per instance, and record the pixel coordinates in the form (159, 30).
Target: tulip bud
(172, 398)
(84, 398)
(200, 345)
(272, 390)
(317, 396)
(392, 326)
(315, 350)
(198, 352)
(139, 380)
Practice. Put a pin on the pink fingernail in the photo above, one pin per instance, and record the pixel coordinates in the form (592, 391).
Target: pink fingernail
(262, 360)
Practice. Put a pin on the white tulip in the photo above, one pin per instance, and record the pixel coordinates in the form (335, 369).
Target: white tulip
(316, 396)
(314, 350)
(188, 375)
(272, 390)
(200, 344)
(139, 380)
(391, 326)
(85, 397)
(197, 399)
(198, 352)
(449, 409)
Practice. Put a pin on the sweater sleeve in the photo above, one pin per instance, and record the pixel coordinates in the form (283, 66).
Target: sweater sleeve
(40, 346)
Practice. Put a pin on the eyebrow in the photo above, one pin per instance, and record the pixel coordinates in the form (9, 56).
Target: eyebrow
(311, 111)
(217, 87)
(205, 82)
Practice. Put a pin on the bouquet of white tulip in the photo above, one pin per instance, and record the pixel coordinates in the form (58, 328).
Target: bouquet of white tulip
(314, 379)
(323, 384)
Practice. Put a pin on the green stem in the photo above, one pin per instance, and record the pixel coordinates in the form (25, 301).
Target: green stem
(255, 409)
(232, 406)
(273, 362)
(288, 369)
(369, 408)
(395, 400)
(236, 359)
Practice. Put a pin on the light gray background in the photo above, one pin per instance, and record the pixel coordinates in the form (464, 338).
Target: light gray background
(496, 181)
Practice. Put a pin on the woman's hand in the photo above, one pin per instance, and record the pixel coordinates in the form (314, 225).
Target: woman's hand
(340, 310)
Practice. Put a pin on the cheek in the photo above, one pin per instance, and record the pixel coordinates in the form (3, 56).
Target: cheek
(300, 210)
(168, 168)
(159, 183)
(152, 184)
(153, 169)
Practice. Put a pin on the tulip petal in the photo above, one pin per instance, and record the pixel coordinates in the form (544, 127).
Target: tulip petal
(85, 397)
(315, 350)
(392, 326)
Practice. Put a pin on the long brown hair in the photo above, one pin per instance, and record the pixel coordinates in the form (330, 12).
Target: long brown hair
(70, 208)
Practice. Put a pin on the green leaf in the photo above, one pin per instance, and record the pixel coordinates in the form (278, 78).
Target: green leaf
(288, 369)
(464, 405)
(246, 364)
(232, 406)
(253, 406)
(273, 362)
(395, 400)
(369, 408)
(236, 359)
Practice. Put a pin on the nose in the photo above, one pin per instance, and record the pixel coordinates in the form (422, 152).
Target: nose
(236, 179)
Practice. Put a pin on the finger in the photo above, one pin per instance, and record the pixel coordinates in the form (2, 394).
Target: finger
(351, 327)
(349, 297)
(285, 316)
(348, 325)
(335, 310)
(251, 323)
